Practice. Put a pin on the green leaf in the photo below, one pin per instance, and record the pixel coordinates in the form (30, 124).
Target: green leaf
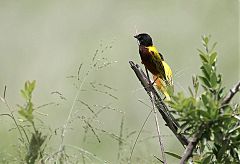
(220, 92)
(213, 80)
(24, 94)
(203, 144)
(205, 39)
(222, 150)
(213, 58)
(204, 58)
(235, 153)
(207, 159)
(206, 69)
(204, 115)
(204, 81)
(31, 86)
(28, 89)
(195, 84)
(34, 147)
(205, 100)
(29, 107)
(173, 154)
(24, 113)
(191, 92)
(184, 126)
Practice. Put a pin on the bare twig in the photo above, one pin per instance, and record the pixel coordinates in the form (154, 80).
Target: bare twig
(189, 150)
(152, 97)
(160, 105)
(120, 142)
(192, 145)
(66, 124)
(85, 104)
(87, 153)
(92, 129)
(231, 93)
(78, 73)
(130, 158)
(4, 93)
(4, 100)
(158, 129)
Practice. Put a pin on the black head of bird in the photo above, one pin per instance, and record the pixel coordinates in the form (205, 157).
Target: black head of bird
(144, 39)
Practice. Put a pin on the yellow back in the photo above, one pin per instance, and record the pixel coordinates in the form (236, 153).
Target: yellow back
(160, 64)
(168, 73)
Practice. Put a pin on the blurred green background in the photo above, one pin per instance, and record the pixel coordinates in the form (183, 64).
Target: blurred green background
(47, 40)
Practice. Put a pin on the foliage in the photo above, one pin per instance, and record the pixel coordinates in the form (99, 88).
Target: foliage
(27, 110)
(34, 146)
(205, 114)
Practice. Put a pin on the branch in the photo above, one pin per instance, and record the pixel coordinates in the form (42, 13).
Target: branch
(189, 150)
(231, 93)
(160, 105)
(193, 143)
(158, 129)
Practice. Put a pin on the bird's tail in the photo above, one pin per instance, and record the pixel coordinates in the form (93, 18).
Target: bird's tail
(162, 86)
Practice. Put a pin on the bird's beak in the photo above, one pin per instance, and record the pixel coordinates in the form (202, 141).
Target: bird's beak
(136, 36)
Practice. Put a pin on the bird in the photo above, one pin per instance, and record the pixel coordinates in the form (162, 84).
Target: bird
(155, 63)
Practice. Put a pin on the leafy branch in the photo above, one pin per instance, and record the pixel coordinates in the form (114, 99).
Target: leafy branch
(26, 111)
(215, 131)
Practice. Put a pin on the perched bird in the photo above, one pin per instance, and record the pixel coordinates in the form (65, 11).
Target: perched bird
(154, 62)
